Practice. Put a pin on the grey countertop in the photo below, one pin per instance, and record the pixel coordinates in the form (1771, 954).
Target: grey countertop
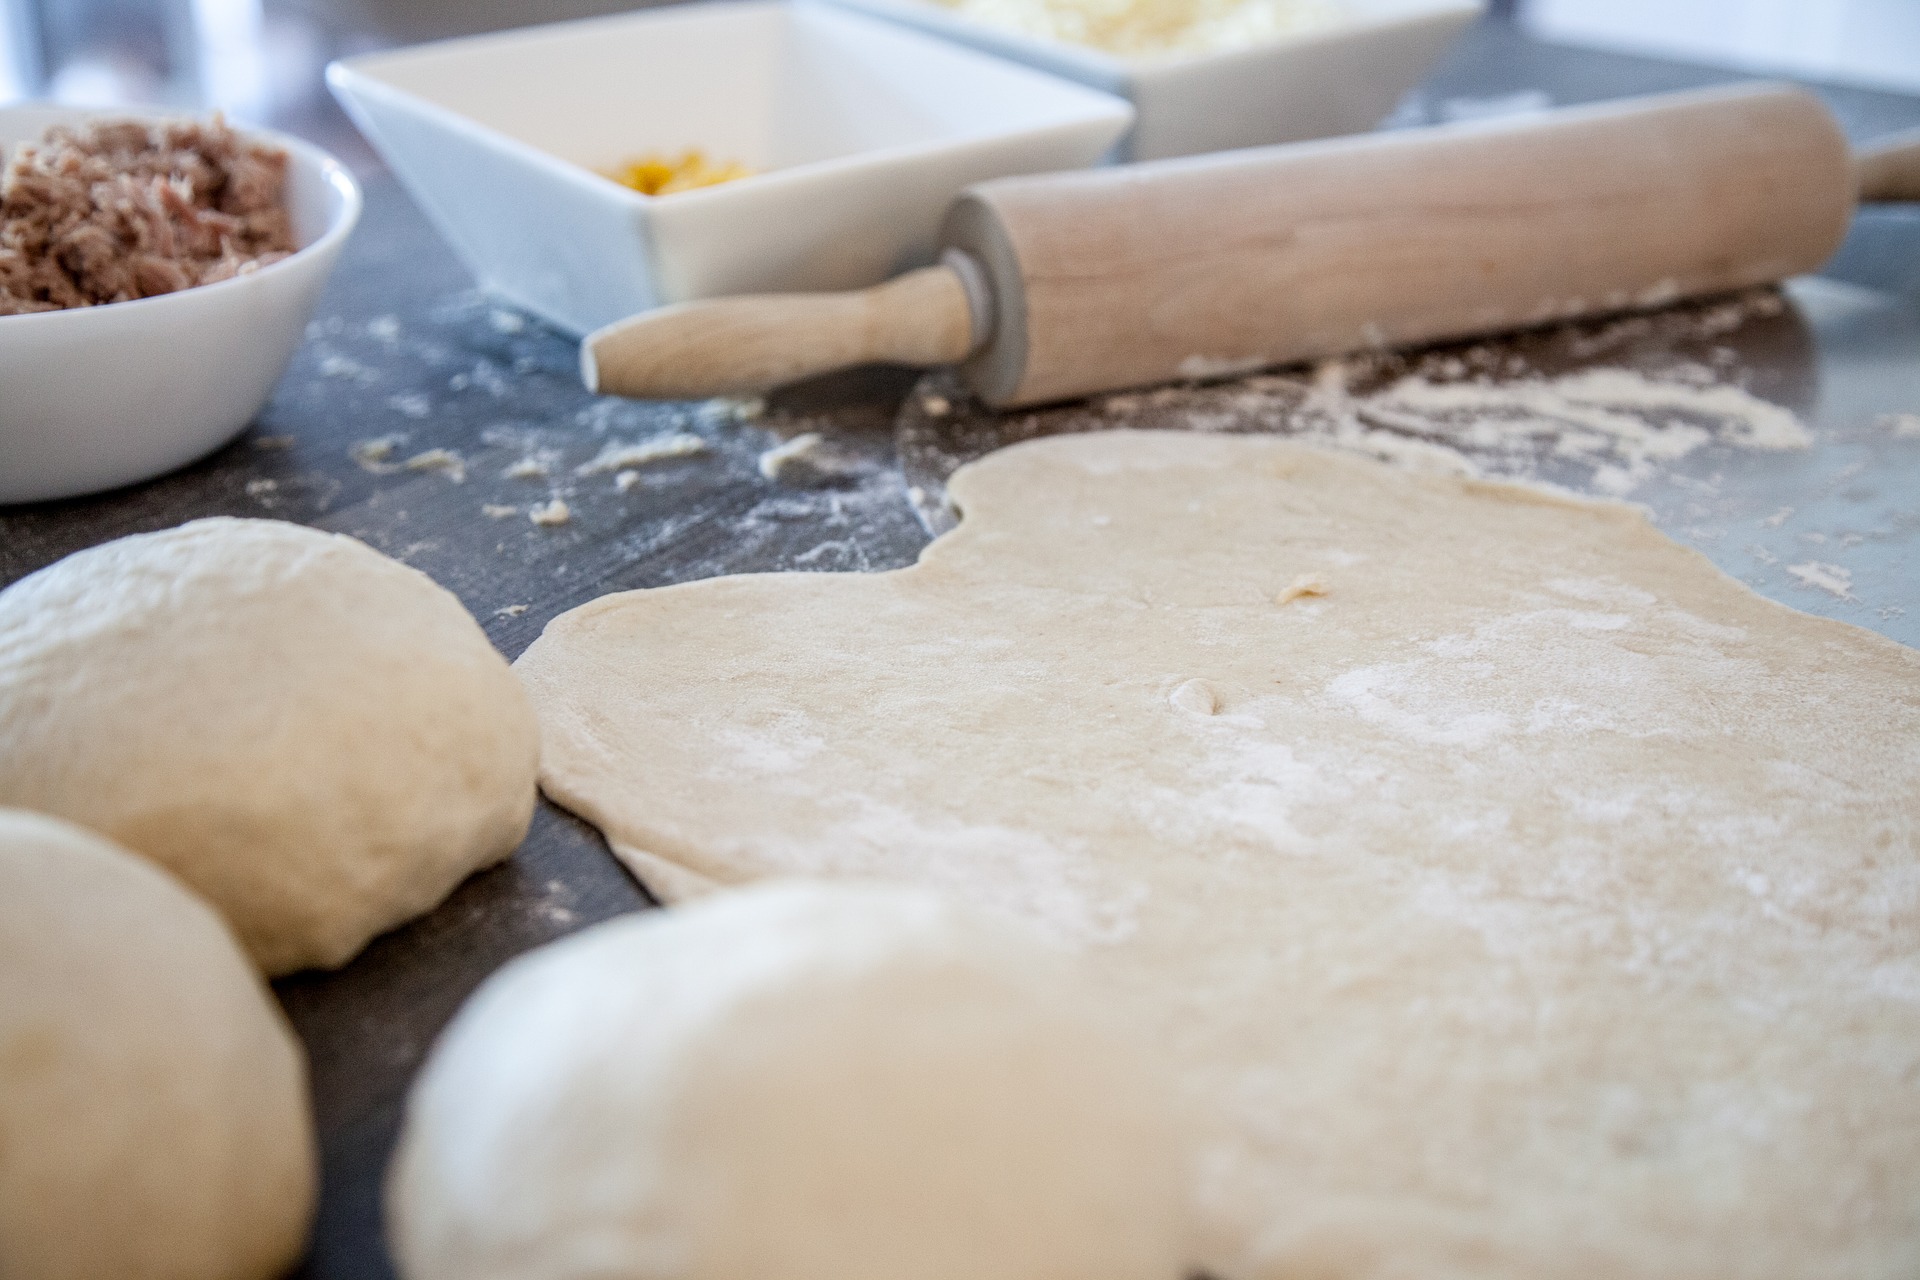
(403, 347)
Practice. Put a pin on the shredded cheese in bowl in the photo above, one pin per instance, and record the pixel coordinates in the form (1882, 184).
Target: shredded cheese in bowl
(1145, 28)
(655, 174)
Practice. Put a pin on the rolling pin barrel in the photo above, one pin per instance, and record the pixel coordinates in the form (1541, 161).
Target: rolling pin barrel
(1129, 276)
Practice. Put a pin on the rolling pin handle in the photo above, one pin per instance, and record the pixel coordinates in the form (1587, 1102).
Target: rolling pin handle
(1889, 170)
(749, 344)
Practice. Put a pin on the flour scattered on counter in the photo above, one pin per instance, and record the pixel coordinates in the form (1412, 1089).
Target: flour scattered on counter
(376, 454)
(790, 456)
(1830, 578)
(1206, 367)
(1596, 413)
(411, 404)
(549, 514)
(807, 461)
(510, 611)
(445, 461)
(1778, 518)
(384, 329)
(1690, 389)
(485, 376)
(1619, 423)
(1331, 412)
(1700, 322)
(1904, 426)
(346, 368)
(497, 511)
(617, 457)
(610, 415)
(528, 468)
(1622, 406)
(625, 480)
(731, 409)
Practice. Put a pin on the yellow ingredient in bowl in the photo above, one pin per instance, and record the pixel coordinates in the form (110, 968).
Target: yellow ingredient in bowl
(657, 175)
(1147, 28)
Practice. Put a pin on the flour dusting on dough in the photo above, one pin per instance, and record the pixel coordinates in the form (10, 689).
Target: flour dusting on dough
(780, 747)
(1519, 911)
(1047, 881)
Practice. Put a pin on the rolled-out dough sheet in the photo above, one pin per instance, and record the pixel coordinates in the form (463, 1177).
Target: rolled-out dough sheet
(1536, 901)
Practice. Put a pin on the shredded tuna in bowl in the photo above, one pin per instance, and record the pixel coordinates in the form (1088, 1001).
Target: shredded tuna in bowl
(156, 276)
(115, 210)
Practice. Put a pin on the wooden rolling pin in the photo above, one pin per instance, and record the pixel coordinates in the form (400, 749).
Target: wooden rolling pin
(1068, 284)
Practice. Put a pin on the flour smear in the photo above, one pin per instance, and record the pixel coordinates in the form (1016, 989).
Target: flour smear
(1601, 409)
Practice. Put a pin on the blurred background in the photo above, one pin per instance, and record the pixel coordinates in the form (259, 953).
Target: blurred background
(261, 60)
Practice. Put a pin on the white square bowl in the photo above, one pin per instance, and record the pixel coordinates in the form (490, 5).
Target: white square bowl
(1341, 79)
(864, 132)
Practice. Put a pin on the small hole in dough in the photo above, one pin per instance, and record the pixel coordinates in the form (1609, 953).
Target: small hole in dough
(1196, 697)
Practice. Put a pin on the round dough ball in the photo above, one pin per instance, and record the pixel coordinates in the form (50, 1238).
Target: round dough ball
(153, 1109)
(789, 1082)
(319, 740)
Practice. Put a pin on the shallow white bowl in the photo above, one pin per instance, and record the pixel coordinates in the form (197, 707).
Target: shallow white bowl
(1342, 79)
(864, 132)
(97, 397)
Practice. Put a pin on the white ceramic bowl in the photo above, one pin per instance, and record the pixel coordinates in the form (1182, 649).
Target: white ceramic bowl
(863, 131)
(97, 397)
(1317, 84)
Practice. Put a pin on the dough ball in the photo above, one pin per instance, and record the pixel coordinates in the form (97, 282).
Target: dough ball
(791, 1082)
(318, 739)
(153, 1111)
